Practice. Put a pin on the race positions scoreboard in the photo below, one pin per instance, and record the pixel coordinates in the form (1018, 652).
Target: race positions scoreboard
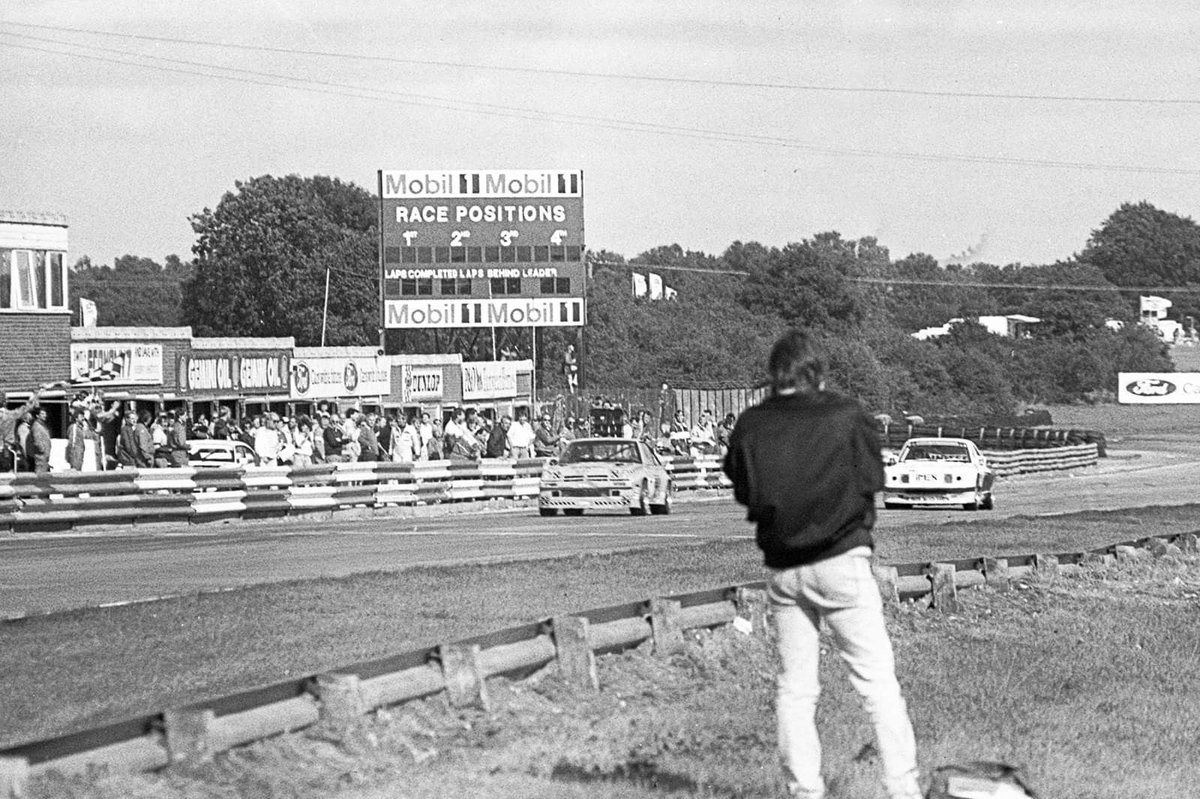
(493, 248)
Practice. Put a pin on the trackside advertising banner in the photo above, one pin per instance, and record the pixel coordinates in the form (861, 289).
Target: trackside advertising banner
(489, 380)
(330, 378)
(102, 362)
(1158, 388)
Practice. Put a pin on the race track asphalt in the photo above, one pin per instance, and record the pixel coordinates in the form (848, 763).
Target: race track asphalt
(41, 573)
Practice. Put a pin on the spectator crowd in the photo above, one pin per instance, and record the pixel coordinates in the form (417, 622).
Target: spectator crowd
(116, 435)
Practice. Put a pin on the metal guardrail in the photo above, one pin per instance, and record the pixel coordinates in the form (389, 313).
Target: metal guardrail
(68, 500)
(198, 731)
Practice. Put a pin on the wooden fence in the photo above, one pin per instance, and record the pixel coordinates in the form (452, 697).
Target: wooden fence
(197, 732)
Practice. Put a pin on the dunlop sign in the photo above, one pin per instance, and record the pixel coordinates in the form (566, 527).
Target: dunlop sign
(1158, 388)
(420, 383)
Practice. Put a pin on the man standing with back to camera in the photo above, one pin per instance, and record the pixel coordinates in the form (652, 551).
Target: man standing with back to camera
(806, 464)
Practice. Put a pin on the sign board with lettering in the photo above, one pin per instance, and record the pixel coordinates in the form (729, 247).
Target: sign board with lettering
(488, 248)
(1158, 388)
(489, 380)
(99, 363)
(330, 378)
(421, 384)
(220, 372)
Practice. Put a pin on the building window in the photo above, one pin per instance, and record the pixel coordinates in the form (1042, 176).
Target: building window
(458, 286)
(505, 286)
(422, 287)
(33, 280)
(556, 285)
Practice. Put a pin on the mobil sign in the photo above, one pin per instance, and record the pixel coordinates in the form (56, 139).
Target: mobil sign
(333, 377)
(1158, 388)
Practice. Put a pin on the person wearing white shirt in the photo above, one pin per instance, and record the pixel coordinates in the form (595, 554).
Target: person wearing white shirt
(520, 437)
(266, 442)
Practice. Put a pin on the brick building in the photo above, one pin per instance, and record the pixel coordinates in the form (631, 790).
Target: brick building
(35, 316)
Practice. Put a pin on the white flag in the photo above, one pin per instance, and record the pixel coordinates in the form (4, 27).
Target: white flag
(639, 285)
(87, 312)
(656, 292)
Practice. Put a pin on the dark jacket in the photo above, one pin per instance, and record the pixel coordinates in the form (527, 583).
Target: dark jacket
(177, 445)
(135, 446)
(545, 443)
(497, 443)
(807, 468)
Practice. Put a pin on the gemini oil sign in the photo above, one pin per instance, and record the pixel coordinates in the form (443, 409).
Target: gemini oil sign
(498, 248)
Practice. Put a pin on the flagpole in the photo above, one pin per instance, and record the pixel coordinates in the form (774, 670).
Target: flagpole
(325, 313)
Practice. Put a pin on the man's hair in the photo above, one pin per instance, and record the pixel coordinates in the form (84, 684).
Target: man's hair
(795, 363)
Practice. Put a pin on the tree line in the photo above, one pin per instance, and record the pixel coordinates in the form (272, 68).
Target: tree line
(262, 255)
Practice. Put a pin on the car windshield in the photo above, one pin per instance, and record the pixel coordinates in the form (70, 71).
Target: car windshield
(938, 452)
(600, 451)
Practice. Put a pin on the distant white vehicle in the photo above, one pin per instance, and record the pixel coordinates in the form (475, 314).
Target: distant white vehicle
(939, 471)
(212, 452)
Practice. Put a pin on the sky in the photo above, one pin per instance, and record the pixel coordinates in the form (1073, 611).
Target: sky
(996, 130)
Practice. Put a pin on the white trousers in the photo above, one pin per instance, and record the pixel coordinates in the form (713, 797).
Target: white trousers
(843, 592)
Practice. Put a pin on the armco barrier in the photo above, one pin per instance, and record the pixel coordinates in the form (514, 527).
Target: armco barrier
(197, 732)
(63, 500)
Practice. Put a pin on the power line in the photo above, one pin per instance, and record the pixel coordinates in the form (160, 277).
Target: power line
(627, 76)
(255, 77)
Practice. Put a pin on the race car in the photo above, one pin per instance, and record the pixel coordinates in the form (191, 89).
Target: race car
(605, 474)
(939, 471)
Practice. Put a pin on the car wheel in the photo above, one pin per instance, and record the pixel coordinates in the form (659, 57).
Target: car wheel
(665, 507)
(988, 503)
(643, 503)
(548, 511)
(572, 511)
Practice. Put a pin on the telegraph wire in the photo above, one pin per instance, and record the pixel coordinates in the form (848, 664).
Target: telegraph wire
(801, 87)
(487, 109)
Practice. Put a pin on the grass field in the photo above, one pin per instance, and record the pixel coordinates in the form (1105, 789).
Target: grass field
(1090, 686)
(1088, 682)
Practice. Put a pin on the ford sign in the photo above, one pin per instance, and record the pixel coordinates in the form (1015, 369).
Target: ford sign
(1150, 387)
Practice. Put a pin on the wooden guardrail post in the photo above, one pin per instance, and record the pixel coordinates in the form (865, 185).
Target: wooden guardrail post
(465, 685)
(995, 574)
(752, 605)
(945, 593)
(888, 580)
(14, 777)
(188, 739)
(1045, 566)
(665, 626)
(341, 698)
(573, 649)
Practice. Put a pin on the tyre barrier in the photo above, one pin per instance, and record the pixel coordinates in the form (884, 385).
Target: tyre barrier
(197, 732)
(993, 438)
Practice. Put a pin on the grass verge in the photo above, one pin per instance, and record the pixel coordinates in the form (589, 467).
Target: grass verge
(84, 668)
(1089, 682)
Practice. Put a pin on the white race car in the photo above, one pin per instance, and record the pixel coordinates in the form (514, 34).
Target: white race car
(939, 471)
(605, 474)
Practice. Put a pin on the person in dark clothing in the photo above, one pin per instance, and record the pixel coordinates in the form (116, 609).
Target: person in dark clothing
(497, 443)
(806, 464)
(39, 442)
(177, 441)
(334, 440)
